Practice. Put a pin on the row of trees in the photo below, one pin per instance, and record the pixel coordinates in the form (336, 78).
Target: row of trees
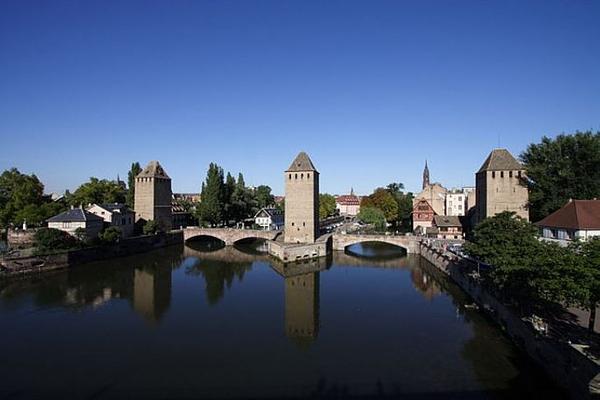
(225, 200)
(387, 205)
(534, 271)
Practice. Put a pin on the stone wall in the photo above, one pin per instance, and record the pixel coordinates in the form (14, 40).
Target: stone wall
(301, 206)
(287, 252)
(68, 259)
(566, 363)
(20, 239)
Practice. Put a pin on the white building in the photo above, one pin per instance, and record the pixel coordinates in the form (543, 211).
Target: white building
(348, 204)
(269, 219)
(115, 214)
(70, 220)
(577, 219)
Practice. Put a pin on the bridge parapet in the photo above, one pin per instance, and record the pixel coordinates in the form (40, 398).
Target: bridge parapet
(229, 235)
(409, 243)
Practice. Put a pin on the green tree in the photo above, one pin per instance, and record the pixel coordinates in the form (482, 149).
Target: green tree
(112, 234)
(326, 205)
(585, 286)
(404, 202)
(211, 208)
(228, 191)
(560, 169)
(383, 200)
(133, 172)
(372, 216)
(17, 192)
(50, 240)
(98, 191)
(263, 196)
(151, 227)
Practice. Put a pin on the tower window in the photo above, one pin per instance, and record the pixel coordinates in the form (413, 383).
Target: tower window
(301, 176)
(501, 174)
(290, 176)
(295, 176)
(292, 224)
(510, 174)
(304, 224)
(307, 176)
(493, 174)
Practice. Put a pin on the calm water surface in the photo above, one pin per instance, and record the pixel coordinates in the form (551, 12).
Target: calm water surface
(206, 322)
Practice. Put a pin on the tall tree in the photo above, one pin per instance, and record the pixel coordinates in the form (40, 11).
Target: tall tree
(372, 216)
(586, 278)
(263, 196)
(18, 192)
(211, 208)
(228, 190)
(563, 168)
(326, 205)
(405, 206)
(133, 172)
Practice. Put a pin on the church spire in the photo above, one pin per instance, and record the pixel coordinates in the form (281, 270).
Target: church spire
(425, 176)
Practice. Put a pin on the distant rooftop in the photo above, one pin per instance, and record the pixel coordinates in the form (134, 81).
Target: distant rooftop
(576, 214)
(500, 160)
(301, 163)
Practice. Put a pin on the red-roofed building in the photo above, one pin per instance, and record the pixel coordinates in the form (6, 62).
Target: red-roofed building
(576, 219)
(348, 204)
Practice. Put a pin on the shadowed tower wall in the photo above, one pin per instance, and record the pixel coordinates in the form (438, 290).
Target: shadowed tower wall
(153, 196)
(302, 306)
(301, 201)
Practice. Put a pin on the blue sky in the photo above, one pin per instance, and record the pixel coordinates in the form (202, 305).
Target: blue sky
(369, 89)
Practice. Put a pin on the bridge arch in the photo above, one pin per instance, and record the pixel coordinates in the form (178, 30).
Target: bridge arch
(408, 243)
(228, 235)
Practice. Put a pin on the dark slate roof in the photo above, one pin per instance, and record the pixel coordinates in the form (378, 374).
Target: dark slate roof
(153, 170)
(74, 215)
(301, 163)
(271, 212)
(500, 160)
(446, 220)
(576, 214)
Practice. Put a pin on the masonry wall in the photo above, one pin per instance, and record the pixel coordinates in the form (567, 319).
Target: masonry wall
(301, 207)
(20, 239)
(499, 191)
(153, 200)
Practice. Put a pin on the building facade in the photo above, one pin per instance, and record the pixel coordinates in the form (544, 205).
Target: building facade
(456, 202)
(153, 196)
(422, 216)
(115, 214)
(301, 201)
(499, 187)
(578, 219)
(447, 227)
(348, 204)
(269, 219)
(435, 195)
(77, 218)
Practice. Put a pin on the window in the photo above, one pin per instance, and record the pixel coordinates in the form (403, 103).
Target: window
(295, 176)
(307, 176)
(459, 198)
(304, 224)
(501, 174)
(290, 176)
(292, 224)
(122, 221)
(510, 174)
(301, 176)
(493, 174)
(519, 174)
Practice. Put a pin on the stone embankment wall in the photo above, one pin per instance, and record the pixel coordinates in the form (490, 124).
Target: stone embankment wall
(297, 252)
(566, 363)
(20, 239)
(67, 259)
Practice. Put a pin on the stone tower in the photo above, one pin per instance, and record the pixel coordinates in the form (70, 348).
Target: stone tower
(425, 176)
(153, 195)
(498, 186)
(301, 201)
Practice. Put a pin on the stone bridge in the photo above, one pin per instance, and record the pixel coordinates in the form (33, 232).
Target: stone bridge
(409, 243)
(228, 235)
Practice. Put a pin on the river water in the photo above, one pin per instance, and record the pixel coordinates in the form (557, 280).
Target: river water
(199, 321)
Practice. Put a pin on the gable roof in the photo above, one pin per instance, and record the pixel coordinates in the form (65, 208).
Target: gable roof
(302, 162)
(500, 160)
(153, 170)
(74, 215)
(118, 207)
(446, 220)
(269, 212)
(576, 214)
(348, 200)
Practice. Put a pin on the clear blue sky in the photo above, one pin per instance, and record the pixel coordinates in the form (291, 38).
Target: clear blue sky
(369, 89)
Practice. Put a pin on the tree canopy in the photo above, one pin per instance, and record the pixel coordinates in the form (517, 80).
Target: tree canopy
(326, 205)
(372, 216)
(383, 200)
(98, 191)
(133, 172)
(563, 168)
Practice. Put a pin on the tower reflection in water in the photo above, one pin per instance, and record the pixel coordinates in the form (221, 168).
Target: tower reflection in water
(152, 292)
(302, 307)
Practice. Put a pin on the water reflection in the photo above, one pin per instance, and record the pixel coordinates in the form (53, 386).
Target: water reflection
(343, 326)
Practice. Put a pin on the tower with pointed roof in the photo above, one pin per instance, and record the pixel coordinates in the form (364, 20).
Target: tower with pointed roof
(425, 176)
(301, 201)
(499, 186)
(153, 196)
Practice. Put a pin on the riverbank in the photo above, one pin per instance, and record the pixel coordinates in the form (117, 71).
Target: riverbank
(13, 267)
(567, 363)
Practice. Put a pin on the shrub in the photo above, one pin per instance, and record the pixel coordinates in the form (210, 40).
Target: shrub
(151, 227)
(49, 239)
(111, 234)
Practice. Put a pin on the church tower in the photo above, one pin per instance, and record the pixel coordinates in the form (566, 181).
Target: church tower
(301, 201)
(425, 176)
(153, 196)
